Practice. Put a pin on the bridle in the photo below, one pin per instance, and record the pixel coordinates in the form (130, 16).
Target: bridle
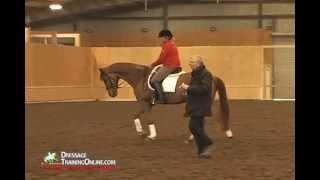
(112, 83)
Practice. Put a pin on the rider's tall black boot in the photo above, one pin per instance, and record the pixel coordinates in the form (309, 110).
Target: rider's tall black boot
(160, 94)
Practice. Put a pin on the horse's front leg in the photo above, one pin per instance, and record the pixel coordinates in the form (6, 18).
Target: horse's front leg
(138, 125)
(151, 124)
(145, 110)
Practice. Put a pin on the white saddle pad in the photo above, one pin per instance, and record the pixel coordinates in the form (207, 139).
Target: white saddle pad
(169, 83)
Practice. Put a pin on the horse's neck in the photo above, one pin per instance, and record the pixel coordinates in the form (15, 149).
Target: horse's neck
(131, 73)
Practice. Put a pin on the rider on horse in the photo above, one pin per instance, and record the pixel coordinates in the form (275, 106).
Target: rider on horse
(170, 60)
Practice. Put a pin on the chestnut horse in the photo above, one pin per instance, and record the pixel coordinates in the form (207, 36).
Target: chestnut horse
(137, 75)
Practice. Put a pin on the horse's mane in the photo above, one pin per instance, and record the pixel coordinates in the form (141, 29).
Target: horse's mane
(121, 67)
(127, 70)
(128, 65)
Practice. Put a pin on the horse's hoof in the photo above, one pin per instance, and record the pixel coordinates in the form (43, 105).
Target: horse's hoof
(229, 134)
(142, 134)
(188, 141)
(148, 139)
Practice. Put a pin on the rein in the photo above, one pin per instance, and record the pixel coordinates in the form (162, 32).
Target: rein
(122, 83)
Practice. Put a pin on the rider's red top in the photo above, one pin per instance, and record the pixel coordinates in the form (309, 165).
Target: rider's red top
(169, 56)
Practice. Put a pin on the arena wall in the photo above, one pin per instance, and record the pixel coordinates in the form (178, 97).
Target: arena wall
(244, 37)
(58, 73)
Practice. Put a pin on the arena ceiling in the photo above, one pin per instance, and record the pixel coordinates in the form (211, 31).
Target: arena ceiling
(37, 11)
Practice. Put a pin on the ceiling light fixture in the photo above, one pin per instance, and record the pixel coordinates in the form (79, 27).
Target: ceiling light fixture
(55, 7)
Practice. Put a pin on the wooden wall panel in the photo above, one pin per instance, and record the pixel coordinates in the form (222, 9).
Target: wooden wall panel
(245, 37)
(27, 65)
(59, 65)
(240, 67)
(236, 65)
(58, 72)
(58, 94)
(65, 73)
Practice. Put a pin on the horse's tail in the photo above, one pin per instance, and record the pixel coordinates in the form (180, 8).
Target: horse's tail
(224, 105)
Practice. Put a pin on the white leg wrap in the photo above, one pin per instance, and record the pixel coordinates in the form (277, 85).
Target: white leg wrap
(190, 137)
(229, 133)
(153, 132)
(138, 125)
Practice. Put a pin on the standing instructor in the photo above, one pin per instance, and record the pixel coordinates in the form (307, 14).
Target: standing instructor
(199, 101)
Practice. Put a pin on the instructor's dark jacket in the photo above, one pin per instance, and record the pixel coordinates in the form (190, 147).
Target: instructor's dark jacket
(199, 93)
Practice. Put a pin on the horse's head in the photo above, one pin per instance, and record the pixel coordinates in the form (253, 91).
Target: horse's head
(111, 82)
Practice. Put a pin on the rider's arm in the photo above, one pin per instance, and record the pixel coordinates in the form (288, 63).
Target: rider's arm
(203, 88)
(163, 55)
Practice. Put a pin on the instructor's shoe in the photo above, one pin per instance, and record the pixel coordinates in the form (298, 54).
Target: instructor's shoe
(206, 154)
(161, 96)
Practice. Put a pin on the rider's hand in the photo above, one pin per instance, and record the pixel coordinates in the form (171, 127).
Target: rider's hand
(184, 86)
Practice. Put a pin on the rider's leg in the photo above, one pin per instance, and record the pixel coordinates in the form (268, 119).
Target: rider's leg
(161, 96)
(162, 73)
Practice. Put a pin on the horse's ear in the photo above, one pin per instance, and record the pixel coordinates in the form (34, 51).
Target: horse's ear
(101, 70)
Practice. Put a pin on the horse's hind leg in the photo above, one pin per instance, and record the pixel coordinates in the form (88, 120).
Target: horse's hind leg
(190, 139)
(224, 107)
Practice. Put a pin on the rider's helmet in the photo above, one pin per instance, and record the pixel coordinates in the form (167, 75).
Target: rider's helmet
(166, 33)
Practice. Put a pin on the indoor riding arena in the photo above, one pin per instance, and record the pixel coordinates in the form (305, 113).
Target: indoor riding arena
(249, 44)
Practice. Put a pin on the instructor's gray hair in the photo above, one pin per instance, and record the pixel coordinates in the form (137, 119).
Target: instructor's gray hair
(199, 59)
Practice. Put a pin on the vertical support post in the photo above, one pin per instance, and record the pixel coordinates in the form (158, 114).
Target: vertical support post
(54, 38)
(274, 23)
(27, 34)
(273, 77)
(268, 82)
(77, 40)
(146, 5)
(74, 27)
(165, 14)
(93, 69)
(260, 11)
(262, 74)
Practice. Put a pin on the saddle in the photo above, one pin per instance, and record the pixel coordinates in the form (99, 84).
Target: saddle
(169, 83)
